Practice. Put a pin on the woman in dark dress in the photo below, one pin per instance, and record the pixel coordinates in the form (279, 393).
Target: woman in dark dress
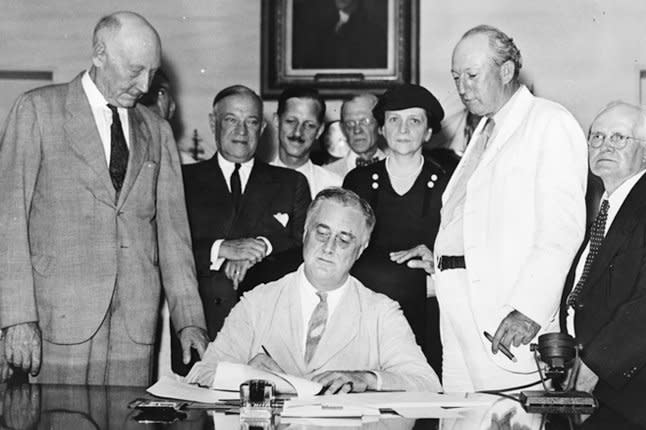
(405, 191)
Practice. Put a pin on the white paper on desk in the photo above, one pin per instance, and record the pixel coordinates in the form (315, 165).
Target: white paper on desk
(229, 376)
(320, 410)
(428, 412)
(173, 388)
(409, 399)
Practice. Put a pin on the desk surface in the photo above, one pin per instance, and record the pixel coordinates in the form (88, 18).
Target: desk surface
(99, 407)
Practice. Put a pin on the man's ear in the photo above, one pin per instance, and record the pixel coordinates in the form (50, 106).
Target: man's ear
(212, 120)
(98, 54)
(320, 130)
(507, 71)
(275, 120)
(263, 126)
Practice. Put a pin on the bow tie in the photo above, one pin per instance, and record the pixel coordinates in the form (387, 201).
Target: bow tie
(362, 162)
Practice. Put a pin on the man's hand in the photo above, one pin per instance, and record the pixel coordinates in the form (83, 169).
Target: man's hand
(250, 249)
(515, 329)
(6, 371)
(236, 270)
(586, 379)
(192, 337)
(23, 347)
(346, 381)
(265, 362)
(418, 257)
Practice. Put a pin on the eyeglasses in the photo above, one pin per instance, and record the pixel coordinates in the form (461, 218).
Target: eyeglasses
(617, 140)
(363, 122)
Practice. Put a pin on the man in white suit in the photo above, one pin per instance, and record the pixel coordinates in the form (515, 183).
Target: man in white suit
(513, 216)
(362, 340)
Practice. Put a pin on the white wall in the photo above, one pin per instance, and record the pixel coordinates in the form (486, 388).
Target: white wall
(582, 53)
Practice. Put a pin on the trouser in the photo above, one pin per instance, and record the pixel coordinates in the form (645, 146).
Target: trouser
(109, 357)
(467, 363)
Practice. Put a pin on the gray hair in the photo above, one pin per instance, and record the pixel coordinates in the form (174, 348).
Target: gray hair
(503, 47)
(639, 127)
(345, 198)
(238, 90)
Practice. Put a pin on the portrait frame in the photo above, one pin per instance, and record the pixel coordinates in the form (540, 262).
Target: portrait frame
(278, 69)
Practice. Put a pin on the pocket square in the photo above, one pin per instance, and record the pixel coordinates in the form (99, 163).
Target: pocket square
(282, 218)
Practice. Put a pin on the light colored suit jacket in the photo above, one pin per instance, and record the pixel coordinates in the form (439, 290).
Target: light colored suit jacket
(524, 217)
(367, 331)
(65, 243)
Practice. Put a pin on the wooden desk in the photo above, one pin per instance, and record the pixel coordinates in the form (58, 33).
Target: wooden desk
(70, 407)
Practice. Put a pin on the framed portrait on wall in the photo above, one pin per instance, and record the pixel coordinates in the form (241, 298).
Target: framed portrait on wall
(338, 46)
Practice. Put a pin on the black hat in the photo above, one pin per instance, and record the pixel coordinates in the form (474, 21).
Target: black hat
(406, 96)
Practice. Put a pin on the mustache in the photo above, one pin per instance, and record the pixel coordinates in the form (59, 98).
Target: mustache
(296, 139)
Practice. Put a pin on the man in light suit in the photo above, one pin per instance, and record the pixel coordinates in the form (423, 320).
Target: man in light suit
(605, 296)
(246, 217)
(513, 216)
(93, 221)
(360, 341)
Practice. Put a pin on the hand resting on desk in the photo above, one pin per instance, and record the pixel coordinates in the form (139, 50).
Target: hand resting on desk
(346, 381)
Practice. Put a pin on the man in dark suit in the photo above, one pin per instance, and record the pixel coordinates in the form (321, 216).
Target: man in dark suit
(93, 221)
(246, 216)
(604, 302)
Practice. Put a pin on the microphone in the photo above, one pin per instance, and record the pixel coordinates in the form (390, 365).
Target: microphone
(554, 354)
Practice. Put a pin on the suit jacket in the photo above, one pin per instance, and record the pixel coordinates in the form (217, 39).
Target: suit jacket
(524, 217)
(611, 310)
(269, 191)
(366, 332)
(65, 244)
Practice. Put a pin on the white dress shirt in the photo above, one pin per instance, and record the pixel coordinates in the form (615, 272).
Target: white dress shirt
(615, 200)
(317, 177)
(103, 115)
(227, 168)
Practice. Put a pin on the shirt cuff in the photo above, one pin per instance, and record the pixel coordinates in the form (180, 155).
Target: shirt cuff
(380, 382)
(268, 243)
(216, 261)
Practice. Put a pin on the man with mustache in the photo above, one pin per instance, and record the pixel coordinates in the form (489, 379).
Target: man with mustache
(299, 121)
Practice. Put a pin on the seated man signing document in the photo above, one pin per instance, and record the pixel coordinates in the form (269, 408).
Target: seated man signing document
(321, 323)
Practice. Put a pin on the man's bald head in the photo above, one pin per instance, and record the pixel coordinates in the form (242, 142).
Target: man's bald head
(126, 55)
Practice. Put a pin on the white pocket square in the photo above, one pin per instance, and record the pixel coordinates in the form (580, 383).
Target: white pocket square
(282, 218)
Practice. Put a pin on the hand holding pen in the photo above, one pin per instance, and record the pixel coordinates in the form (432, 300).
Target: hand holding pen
(263, 360)
(502, 348)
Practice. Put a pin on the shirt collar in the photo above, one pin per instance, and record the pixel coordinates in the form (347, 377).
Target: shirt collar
(228, 167)
(93, 94)
(352, 156)
(503, 112)
(302, 168)
(616, 199)
(310, 290)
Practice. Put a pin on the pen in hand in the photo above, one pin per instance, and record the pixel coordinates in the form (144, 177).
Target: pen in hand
(266, 352)
(502, 348)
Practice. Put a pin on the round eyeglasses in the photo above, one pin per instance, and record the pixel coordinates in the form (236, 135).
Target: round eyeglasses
(617, 140)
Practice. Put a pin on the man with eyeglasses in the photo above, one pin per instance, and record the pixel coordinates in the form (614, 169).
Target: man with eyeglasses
(246, 217)
(299, 121)
(320, 322)
(361, 130)
(604, 301)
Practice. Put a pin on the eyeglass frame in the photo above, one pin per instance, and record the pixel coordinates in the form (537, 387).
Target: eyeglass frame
(363, 122)
(617, 140)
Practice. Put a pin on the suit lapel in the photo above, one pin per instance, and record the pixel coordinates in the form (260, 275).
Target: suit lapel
(343, 327)
(216, 191)
(290, 323)
(139, 140)
(83, 136)
(621, 228)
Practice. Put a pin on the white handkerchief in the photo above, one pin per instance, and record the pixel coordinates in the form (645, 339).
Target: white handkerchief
(282, 218)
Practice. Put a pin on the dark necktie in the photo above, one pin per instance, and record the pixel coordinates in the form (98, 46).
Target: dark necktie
(316, 326)
(118, 151)
(362, 162)
(236, 186)
(597, 232)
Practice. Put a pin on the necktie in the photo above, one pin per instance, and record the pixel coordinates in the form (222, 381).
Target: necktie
(236, 186)
(470, 164)
(597, 233)
(316, 326)
(118, 151)
(361, 162)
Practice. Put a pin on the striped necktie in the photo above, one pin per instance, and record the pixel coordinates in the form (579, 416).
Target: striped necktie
(316, 326)
(597, 233)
